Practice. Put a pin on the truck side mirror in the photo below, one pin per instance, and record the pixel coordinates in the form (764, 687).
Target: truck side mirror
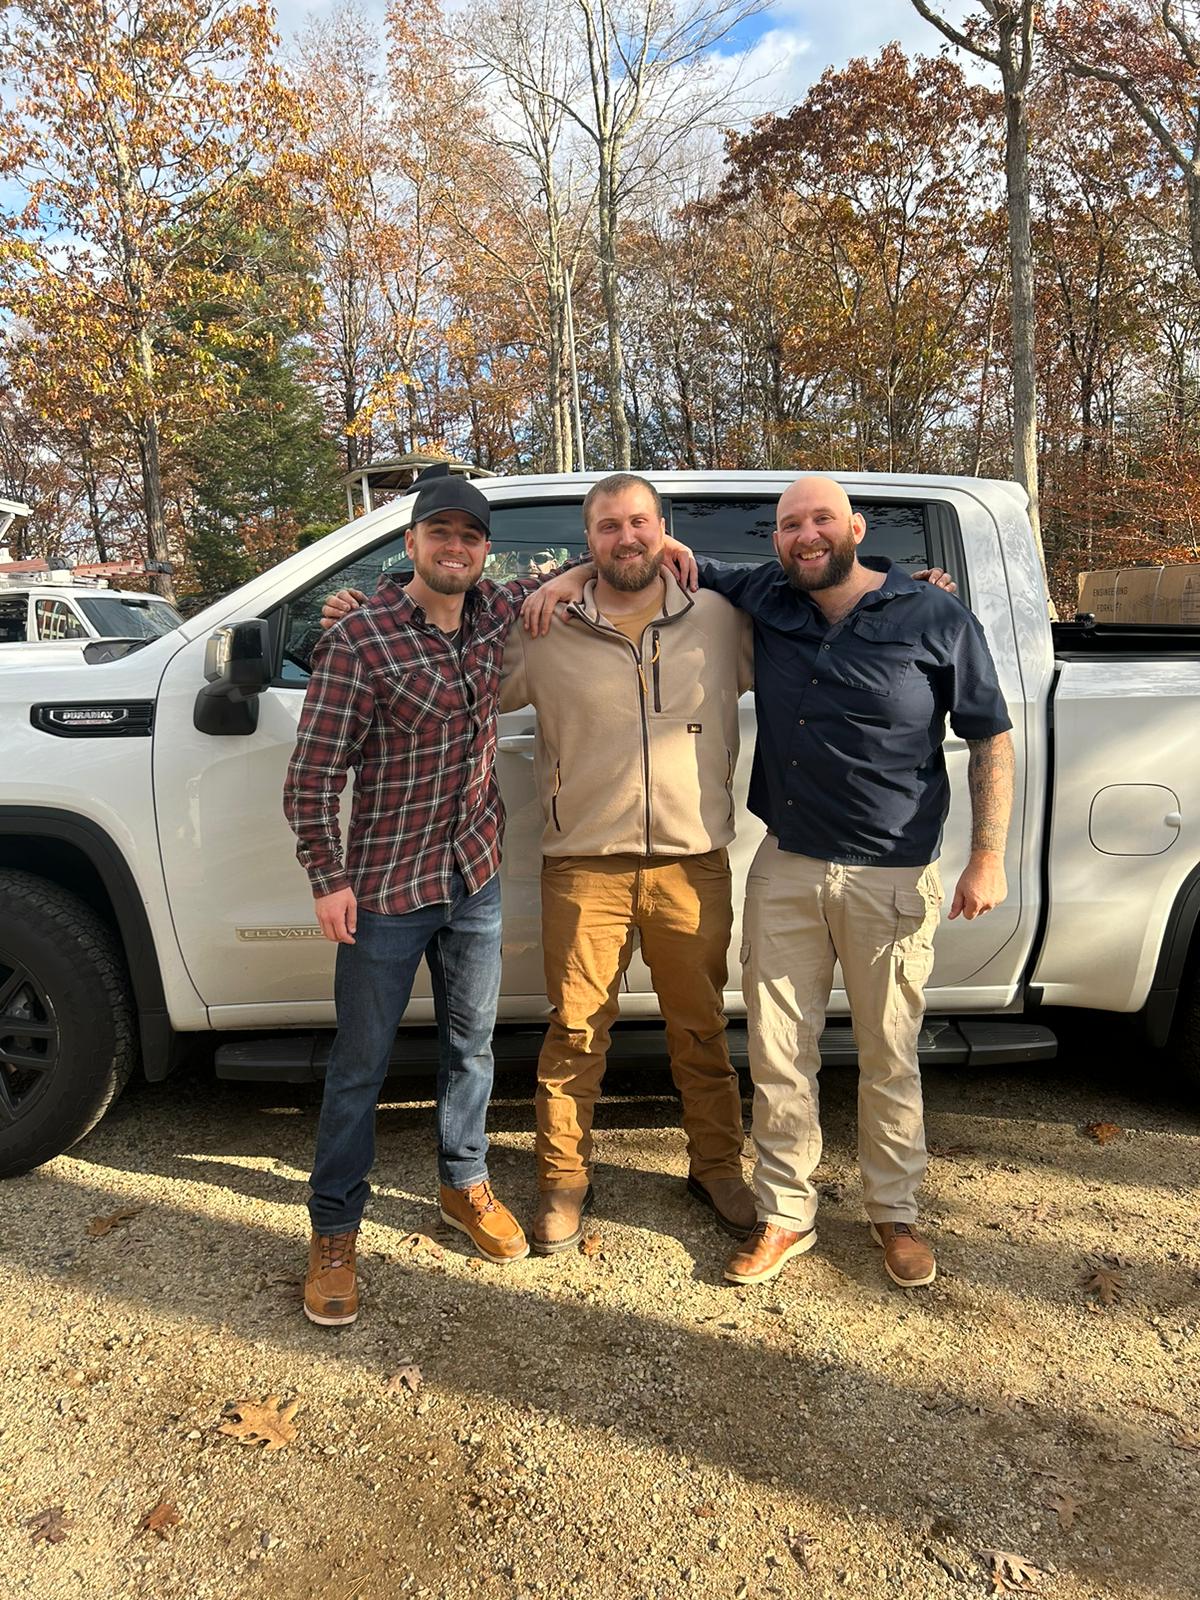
(237, 667)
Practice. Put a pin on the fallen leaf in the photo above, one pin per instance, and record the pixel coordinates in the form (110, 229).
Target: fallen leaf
(422, 1242)
(268, 1423)
(1010, 1573)
(799, 1544)
(50, 1525)
(590, 1244)
(706, 1510)
(99, 1226)
(1103, 1132)
(1065, 1507)
(406, 1378)
(946, 1150)
(162, 1519)
(1186, 1439)
(943, 1558)
(1037, 1211)
(1103, 1280)
(835, 1193)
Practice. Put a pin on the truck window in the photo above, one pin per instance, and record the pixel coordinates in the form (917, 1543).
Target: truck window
(14, 609)
(525, 539)
(740, 529)
(119, 616)
(56, 620)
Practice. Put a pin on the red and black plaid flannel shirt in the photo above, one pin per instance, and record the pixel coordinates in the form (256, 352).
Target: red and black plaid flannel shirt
(415, 716)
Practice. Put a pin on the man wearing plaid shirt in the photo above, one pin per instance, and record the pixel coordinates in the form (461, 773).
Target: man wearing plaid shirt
(404, 691)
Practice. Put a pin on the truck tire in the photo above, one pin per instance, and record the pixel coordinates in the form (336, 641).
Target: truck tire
(1183, 1048)
(68, 1039)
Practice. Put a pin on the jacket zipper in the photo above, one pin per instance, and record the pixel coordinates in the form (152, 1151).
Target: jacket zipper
(643, 701)
(729, 781)
(554, 796)
(654, 664)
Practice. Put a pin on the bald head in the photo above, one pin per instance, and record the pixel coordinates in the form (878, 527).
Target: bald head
(817, 533)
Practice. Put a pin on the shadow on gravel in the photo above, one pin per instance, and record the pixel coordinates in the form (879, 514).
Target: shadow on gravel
(817, 1424)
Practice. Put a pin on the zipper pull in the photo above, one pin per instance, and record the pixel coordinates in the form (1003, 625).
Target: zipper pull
(642, 676)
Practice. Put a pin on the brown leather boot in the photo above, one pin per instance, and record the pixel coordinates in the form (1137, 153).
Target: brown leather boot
(764, 1253)
(907, 1259)
(558, 1220)
(731, 1201)
(490, 1226)
(331, 1288)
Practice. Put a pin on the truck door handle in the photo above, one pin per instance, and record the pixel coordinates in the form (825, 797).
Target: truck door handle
(517, 744)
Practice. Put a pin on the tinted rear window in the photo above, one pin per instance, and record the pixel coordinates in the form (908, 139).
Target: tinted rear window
(740, 530)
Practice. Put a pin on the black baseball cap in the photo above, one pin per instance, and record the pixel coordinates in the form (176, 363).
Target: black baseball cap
(439, 489)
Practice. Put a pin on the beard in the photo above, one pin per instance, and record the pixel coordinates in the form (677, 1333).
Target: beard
(843, 553)
(631, 576)
(442, 582)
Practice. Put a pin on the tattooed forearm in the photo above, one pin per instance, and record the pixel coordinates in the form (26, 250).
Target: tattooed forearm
(990, 777)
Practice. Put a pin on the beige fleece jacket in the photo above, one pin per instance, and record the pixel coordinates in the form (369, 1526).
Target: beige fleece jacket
(635, 750)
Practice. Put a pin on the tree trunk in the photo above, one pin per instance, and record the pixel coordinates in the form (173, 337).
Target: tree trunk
(148, 455)
(1020, 244)
(610, 296)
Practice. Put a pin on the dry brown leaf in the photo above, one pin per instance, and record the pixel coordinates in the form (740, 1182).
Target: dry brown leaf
(1065, 1507)
(421, 1242)
(50, 1525)
(406, 1378)
(1186, 1439)
(1102, 1279)
(1103, 1132)
(99, 1226)
(945, 1151)
(268, 1423)
(1010, 1573)
(800, 1544)
(705, 1510)
(162, 1519)
(590, 1244)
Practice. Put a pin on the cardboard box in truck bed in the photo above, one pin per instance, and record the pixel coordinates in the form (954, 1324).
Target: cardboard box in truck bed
(1142, 594)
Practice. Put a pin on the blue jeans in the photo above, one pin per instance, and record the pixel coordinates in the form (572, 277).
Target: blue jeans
(461, 943)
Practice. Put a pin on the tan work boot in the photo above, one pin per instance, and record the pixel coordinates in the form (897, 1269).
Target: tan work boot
(731, 1201)
(490, 1226)
(331, 1288)
(764, 1253)
(907, 1259)
(558, 1221)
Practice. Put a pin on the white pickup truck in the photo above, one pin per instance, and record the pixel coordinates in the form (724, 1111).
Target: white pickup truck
(149, 888)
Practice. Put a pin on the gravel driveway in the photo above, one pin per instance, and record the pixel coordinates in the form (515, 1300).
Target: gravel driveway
(620, 1423)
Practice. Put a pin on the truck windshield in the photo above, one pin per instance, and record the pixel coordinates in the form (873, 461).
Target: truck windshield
(118, 616)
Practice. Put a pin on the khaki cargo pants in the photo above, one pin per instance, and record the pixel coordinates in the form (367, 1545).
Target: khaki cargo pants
(682, 908)
(801, 916)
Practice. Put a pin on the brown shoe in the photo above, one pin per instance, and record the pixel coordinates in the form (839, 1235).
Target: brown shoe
(907, 1259)
(558, 1220)
(731, 1201)
(331, 1288)
(764, 1253)
(490, 1226)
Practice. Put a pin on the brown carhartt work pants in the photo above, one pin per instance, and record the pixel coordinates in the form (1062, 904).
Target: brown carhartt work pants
(801, 916)
(681, 907)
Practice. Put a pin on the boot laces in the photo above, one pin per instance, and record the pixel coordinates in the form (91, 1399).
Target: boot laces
(335, 1247)
(481, 1199)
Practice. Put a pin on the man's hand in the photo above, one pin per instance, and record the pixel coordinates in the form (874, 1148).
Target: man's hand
(982, 886)
(537, 609)
(939, 579)
(679, 558)
(338, 914)
(340, 605)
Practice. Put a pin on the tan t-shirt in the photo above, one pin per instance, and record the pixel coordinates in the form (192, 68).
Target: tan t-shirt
(635, 624)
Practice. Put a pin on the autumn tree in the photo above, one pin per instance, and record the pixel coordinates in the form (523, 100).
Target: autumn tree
(132, 121)
(1003, 36)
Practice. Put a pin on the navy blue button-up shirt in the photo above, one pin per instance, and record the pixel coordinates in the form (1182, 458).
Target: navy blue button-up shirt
(848, 765)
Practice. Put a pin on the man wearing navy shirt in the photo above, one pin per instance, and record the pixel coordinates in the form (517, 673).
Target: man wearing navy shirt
(857, 667)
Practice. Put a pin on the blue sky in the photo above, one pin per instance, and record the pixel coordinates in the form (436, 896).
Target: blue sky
(788, 46)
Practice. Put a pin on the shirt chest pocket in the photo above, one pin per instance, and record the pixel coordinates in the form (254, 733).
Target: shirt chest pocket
(877, 653)
(418, 698)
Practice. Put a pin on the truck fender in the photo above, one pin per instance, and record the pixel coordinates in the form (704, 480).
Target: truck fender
(84, 838)
(1177, 944)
